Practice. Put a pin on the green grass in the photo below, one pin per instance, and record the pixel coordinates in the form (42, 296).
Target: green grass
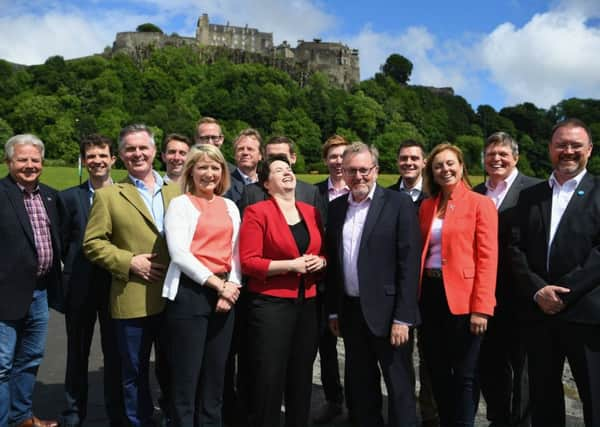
(61, 177)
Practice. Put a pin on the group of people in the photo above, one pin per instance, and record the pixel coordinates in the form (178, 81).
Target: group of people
(238, 274)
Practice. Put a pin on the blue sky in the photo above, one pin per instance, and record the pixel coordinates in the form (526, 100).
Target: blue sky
(492, 52)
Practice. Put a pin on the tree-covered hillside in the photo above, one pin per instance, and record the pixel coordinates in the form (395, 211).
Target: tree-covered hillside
(62, 100)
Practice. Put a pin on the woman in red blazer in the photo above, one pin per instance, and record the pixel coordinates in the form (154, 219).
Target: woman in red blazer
(281, 254)
(458, 281)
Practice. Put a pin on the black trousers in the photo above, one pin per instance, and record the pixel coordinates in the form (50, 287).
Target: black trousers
(365, 355)
(549, 343)
(80, 321)
(451, 354)
(283, 334)
(330, 374)
(199, 340)
(503, 370)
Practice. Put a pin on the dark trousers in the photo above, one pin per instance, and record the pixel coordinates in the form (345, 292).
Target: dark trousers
(503, 371)
(80, 321)
(135, 338)
(365, 355)
(451, 354)
(427, 405)
(199, 340)
(330, 374)
(549, 343)
(283, 334)
(237, 382)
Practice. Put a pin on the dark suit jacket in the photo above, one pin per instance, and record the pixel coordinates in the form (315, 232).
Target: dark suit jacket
(506, 297)
(237, 186)
(79, 274)
(305, 192)
(574, 256)
(18, 265)
(388, 261)
(396, 187)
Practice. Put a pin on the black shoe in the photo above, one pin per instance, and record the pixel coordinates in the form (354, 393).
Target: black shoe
(327, 412)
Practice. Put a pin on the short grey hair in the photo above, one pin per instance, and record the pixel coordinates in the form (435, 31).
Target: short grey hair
(502, 138)
(22, 139)
(360, 147)
(135, 128)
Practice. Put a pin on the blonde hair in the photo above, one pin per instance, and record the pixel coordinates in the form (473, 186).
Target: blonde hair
(197, 153)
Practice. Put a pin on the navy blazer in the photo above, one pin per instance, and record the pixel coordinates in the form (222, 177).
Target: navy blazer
(19, 263)
(388, 261)
(574, 260)
(506, 296)
(422, 196)
(237, 186)
(79, 274)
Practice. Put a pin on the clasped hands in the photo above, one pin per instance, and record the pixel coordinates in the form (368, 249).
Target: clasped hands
(308, 264)
(228, 296)
(549, 300)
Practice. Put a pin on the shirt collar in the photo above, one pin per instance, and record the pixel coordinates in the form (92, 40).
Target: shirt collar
(24, 190)
(140, 184)
(573, 182)
(366, 199)
(246, 178)
(418, 186)
(508, 180)
(330, 186)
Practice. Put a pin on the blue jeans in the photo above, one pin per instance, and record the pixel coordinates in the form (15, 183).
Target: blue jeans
(134, 339)
(22, 344)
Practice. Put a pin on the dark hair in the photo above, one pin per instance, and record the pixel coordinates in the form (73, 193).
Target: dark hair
(95, 140)
(572, 123)
(264, 168)
(177, 137)
(432, 187)
(411, 143)
(280, 140)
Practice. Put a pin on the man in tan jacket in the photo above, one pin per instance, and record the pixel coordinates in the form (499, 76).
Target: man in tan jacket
(125, 236)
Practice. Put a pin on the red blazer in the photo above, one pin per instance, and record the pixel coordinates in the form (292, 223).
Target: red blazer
(266, 236)
(469, 249)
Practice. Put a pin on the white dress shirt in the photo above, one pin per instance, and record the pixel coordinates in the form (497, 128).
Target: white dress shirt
(333, 193)
(498, 193)
(354, 224)
(561, 195)
(415, 191)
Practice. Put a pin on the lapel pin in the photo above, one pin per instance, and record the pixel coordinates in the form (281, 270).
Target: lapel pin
(580, 193)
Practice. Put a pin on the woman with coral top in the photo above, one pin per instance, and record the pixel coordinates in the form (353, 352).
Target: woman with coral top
(280, 252)
(202, 286)
(458, 281)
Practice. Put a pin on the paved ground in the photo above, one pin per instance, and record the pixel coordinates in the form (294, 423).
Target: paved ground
(49, 397)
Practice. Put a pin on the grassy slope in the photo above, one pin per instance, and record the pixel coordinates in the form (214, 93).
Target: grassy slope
(64, 177)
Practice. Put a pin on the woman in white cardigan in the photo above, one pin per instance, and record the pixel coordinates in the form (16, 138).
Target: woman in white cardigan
(202, 286)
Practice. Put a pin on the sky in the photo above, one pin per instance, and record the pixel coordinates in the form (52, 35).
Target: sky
(495, 52)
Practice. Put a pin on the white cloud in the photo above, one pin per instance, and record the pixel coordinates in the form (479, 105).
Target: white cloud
(552, 57)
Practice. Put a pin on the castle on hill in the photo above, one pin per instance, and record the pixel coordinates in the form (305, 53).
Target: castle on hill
(336, 60)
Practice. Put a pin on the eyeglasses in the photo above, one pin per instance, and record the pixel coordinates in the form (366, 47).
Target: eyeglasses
(207, 138)
(364, 172)
(563, 146)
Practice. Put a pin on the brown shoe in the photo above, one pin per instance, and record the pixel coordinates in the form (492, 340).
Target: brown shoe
(36, 422)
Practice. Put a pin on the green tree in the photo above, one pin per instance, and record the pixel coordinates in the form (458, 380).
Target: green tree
(472, 147)
(148, 28)
(5, 132)
(397, 67)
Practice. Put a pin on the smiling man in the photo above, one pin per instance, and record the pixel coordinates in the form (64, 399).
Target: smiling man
(247, 153)
(125, 236)
(555, 254)
(411, 162)
(502, 361)
(29, 277)
(174, 150)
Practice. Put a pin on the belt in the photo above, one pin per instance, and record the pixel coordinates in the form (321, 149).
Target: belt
(223, 276)
(433, 273)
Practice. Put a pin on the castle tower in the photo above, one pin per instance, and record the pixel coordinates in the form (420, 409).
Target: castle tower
(202, 30)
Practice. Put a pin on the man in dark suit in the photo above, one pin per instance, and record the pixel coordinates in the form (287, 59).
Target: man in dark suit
(29, 277)
(86, 292)
(331, 188)
(247, 153)
(374, 249)
(410, 160)
(502, 360)
(307, 193)
(555, 253)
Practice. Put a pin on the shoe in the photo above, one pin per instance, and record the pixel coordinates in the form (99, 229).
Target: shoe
(36, 422)
(327, 412)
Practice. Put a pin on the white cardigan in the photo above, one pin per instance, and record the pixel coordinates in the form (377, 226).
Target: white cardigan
(181, 221)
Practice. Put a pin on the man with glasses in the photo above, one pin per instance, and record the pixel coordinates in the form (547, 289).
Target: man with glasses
(374, 246)
(208, 131)
(555, 255)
